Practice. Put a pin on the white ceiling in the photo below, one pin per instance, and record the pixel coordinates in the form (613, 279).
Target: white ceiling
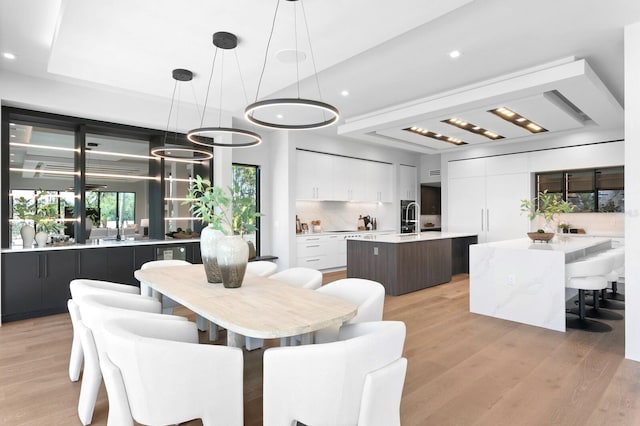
(388, 55)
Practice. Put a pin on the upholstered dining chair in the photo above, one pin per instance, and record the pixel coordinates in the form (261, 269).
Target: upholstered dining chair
(356, 380)
(167, 303)
(80, 288)
(300, 277)
(94, 310)
(261, 268)
(197, 381)
(366, 294)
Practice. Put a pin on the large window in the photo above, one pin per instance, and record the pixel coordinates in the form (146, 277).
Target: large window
(246, 200)
(108, 209)
(588, 190)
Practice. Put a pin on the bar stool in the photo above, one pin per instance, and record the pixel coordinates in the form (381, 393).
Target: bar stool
(588, 275)
(613, 300)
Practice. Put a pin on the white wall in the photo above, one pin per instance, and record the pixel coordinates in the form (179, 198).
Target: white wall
(632, 190)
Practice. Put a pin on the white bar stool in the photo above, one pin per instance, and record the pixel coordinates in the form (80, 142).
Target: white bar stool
(588, 275)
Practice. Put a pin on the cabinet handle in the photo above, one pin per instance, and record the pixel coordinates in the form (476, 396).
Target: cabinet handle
(312, 260)
(312, 246)
(78, 260)
(39, 269)
(487, 220)
(313, 239)
(46, 266)
(482, 219)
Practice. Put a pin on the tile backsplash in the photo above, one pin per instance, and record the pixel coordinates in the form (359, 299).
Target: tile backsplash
(339, 216)
(592, 223)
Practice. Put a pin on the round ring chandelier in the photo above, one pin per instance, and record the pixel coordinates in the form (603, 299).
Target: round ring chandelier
(208, 136)
(169, 153)
(297, 102)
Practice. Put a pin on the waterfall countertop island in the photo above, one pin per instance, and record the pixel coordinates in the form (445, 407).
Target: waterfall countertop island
(408, 262)
(522, 281)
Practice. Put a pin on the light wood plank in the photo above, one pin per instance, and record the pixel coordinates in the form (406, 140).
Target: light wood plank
(464, 369)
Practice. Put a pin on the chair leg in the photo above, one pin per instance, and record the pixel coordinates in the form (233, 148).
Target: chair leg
(582, 322)
(91, 376)
(596, 312)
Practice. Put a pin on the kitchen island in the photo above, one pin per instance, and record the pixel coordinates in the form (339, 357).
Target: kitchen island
(522, 281)
(408, 262)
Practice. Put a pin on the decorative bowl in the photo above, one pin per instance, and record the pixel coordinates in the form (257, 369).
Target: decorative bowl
(541, 236)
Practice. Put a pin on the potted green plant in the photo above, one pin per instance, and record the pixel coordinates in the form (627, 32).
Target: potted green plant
(24, 210)
(224, 252)
(546, 205)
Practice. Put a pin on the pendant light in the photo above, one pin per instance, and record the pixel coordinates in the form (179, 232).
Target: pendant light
(271, 113)
(179, 153)
(208, 136)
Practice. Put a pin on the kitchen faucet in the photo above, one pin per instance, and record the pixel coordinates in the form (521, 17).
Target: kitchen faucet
(417, 219)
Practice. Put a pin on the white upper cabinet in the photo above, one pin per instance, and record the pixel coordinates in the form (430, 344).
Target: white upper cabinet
(335, 178)
(379, 182)
(408, 188)
(313, 170)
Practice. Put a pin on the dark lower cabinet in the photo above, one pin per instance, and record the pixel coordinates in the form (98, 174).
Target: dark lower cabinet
(36, 284)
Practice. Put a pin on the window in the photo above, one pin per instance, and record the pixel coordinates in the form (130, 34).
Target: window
(246, 200)
(105, 208)
(588, 190)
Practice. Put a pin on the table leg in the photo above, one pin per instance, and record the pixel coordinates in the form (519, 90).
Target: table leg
(306, 339)
(234, 339)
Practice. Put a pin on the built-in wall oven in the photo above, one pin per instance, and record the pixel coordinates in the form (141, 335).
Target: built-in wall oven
(407, 217)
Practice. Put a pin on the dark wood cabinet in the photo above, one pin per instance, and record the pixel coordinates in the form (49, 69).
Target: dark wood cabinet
(36, 284)
(430, 199)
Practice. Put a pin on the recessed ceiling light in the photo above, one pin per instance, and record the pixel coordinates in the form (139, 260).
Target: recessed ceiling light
(9, 55)
(429, 134)
(515, 118)
(345, 93)
(12, 124)
(280, 116)
(454, 54)
(469, 127)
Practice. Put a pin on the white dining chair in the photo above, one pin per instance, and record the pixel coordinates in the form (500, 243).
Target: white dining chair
(198, 381)
(81, 287)
(94, 310)
(356, 380)
(299, 277)
(167, 304)
(366, 294)
(262, 268)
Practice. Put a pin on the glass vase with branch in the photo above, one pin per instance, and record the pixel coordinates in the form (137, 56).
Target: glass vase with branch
(546, 205)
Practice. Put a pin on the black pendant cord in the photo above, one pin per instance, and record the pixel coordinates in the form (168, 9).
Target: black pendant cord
(313, 57)
(221, 86)
(173, 96)
(206, 98)
(266, 52)
(244, 89)
(295, 35)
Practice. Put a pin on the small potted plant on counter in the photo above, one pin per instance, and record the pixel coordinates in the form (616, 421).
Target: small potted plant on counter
(564, 227)
(546, 205)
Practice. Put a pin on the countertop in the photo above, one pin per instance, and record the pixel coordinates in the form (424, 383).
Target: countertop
(572, 247)
(103, 243)
(408, 238)
(346, 232)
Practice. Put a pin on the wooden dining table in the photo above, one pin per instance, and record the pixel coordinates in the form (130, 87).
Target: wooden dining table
(261, 308)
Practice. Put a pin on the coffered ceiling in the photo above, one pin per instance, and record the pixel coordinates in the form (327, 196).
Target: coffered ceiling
(559, 63)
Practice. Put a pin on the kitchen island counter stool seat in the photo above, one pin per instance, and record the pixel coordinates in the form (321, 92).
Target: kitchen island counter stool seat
(262, 268)
(587, 275)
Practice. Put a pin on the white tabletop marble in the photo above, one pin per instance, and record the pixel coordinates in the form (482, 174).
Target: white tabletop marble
(260, 308)
(408, 238)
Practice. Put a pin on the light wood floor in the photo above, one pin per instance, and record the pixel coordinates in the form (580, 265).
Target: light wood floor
(464, 369)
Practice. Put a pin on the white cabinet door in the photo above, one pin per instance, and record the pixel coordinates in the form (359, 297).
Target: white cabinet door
(503, 219)
(467, 212)
(313, 173)
(379, 182)
(349, 179)
(408, 188)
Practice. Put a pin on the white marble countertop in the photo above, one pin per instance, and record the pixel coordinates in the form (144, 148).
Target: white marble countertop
(408, 238)
(101, 243)
(345, 232)
(571, 247)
